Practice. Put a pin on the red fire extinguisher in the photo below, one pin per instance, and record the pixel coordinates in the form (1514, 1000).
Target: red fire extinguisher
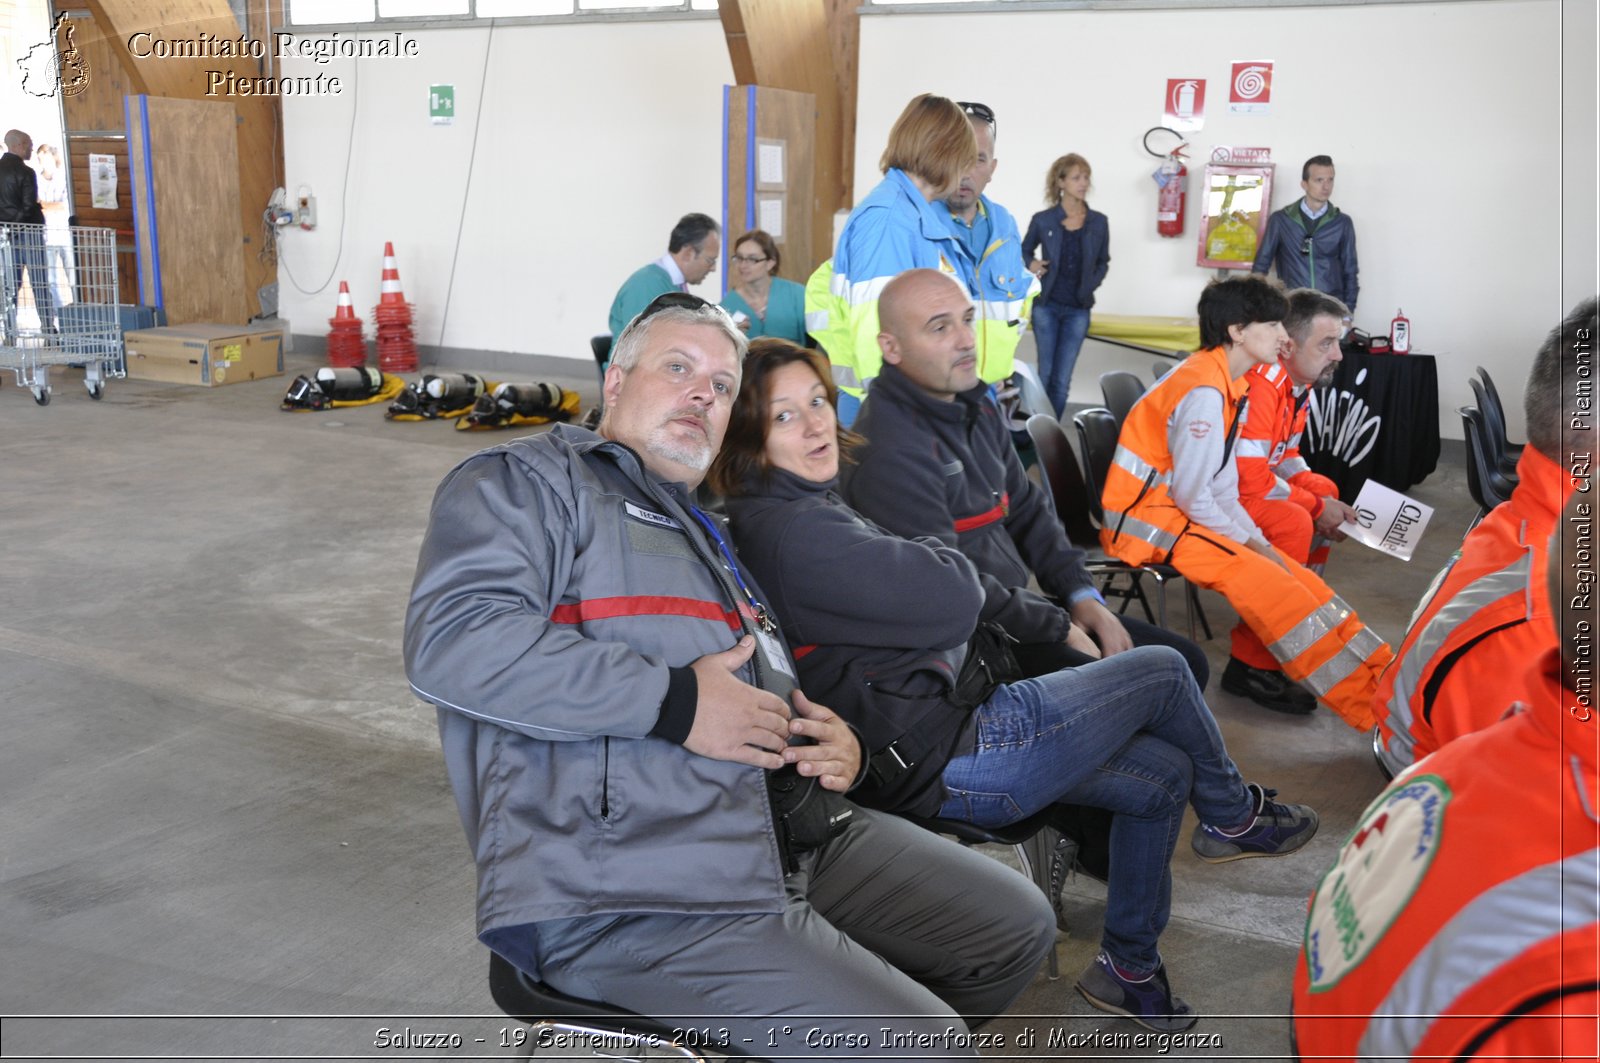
(1172, 178)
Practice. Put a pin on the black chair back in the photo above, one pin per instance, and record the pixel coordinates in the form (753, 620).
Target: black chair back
(1485, 482)
(1490, 402)
(601, 346)
(1062, 478)
(1501, 449)
(1097, 436)
(1161, 369)
(1121, 390)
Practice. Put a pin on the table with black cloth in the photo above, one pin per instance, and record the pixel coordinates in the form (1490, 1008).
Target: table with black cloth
(1378, 420)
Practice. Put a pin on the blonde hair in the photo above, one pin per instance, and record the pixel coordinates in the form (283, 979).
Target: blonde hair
(932, 139)
(1059, 169)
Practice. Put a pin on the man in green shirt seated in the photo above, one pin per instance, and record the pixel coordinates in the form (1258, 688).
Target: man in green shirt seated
(691, 256)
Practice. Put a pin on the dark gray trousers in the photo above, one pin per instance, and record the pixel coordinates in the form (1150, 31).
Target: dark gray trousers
(894, 941)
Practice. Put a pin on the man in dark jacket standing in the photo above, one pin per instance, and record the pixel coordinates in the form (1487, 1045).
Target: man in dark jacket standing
(1312, 241)
(634, 765)
(19, 203)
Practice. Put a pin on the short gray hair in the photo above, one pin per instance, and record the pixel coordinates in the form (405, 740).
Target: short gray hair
(1563, 368)
(1305, 306)
(630, 345)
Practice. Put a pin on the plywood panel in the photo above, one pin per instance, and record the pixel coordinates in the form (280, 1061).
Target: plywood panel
(194, 173)
(791, 118)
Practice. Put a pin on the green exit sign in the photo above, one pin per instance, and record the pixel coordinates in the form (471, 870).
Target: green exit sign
(442, 104)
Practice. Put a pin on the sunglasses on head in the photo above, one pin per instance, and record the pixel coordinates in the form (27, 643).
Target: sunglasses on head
(983, 112)
(677, 301)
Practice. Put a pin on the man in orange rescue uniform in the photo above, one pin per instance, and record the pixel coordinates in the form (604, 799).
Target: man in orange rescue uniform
(1172, 495)
(1296, 509)
(1462, 918)
(1487, 615)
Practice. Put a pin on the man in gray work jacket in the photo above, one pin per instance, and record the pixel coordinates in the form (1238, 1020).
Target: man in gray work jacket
(635, 769)
(1312, 242)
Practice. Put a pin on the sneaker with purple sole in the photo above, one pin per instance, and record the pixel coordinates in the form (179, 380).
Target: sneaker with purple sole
(1148, 1001)
(1275, 830)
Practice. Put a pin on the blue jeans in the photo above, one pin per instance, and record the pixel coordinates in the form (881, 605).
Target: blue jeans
(1130, 734)
(1058, 331)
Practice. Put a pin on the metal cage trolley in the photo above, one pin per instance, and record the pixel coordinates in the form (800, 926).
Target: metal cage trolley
(78, 322)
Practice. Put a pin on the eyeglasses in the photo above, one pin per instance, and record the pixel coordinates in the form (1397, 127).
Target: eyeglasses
(982, 112)
(751, 260)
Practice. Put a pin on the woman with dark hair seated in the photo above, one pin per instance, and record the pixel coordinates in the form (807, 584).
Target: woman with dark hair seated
(891, 634)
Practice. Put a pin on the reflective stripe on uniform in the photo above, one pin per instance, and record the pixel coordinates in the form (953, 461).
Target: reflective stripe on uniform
(1253, 448)
(1499, 925)
(1343, 665)
(1137, 467)
(844, 376)
(1278, 491)
(1292, 466)
(1468, 602)
(860, 293)
(816, 320)
(1138, 529)
(1320, 622)
(1000, 310)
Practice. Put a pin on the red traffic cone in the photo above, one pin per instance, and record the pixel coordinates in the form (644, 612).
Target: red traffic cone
(390, 288)
(397, 348)
(346, 347)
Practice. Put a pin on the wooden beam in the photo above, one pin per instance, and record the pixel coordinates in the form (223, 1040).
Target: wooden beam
(806, 46)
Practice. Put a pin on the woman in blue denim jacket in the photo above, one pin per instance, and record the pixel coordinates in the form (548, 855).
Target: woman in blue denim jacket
(1075, 243)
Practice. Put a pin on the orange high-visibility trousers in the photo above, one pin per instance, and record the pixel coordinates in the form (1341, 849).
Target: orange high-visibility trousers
(1288, 526)
(1312, 633)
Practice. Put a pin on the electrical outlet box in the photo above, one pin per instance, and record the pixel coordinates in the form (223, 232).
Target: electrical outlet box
(306, 212)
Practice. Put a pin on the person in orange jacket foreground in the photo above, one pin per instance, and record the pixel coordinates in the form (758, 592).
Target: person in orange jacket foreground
(1487, 614)
(1172, 496)
(1462, 918)
(1296, 509)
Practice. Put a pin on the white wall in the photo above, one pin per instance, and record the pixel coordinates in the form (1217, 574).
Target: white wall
(1444, 121)
(595, 139)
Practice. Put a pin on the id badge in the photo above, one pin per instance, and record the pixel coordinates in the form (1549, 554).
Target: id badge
(772, 652)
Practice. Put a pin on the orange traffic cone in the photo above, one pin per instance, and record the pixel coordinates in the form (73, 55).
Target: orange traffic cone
(397, 347)
(346, 346)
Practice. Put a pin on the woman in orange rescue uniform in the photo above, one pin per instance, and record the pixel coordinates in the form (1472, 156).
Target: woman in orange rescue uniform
(1172, 495)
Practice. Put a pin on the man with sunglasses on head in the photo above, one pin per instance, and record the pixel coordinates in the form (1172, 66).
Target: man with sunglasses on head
(655, 809)
(1312, 242)
(691, 256)
(989, 235)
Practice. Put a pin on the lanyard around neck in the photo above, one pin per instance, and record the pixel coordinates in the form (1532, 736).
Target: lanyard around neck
(758, 612)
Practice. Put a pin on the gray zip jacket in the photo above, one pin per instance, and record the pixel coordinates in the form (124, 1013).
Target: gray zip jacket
(560, 590)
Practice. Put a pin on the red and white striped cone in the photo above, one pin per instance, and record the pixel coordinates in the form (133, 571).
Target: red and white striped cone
(397, 347)
(347, 348)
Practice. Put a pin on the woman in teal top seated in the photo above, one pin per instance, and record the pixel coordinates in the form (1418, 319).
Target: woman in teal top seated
(763, 303)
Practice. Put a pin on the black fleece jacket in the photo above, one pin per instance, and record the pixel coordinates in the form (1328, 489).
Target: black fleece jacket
(879, 625)
(948, 470)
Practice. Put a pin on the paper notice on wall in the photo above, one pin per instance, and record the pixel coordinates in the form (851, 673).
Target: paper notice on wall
(769, 215)
(1388, 521)
(769, 164)
(103, 182)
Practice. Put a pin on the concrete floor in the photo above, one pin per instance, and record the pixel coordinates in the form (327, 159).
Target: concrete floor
(221, 800)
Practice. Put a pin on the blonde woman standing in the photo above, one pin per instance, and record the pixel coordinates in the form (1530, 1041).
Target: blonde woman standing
(1074, 244)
